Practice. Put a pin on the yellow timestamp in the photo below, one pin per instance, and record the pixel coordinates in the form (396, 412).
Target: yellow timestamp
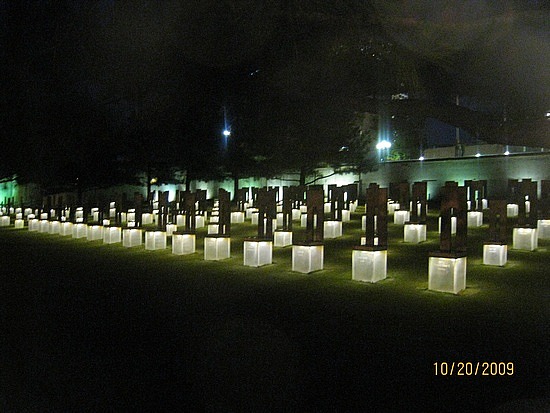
(477, 368)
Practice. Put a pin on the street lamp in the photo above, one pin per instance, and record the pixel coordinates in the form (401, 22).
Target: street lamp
(383, 145)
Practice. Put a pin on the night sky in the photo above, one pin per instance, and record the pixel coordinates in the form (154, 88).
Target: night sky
(97, 90)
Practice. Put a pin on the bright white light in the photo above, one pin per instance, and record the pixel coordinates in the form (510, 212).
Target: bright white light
(478, 155)
(507, 153)
(226, 132)
(383, 145)
(421, 158)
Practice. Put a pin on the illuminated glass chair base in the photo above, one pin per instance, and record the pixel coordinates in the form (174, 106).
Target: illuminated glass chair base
(401, 216)
(5, 221)
(258, 252)
(237, 217)
(155, 240)
(66, 229)
(332, 229)
(132, 237)
(307, 257)
(112, 235)
(55, 227)
(217, 247)
(447, 272)
(183, 243)
(80, 230)
(44, 226)
(495, 253)
(94, 232)
(414, 232)
(475, 219)
(524, 239)
(543, 228)
(369, 264)
(282, 238)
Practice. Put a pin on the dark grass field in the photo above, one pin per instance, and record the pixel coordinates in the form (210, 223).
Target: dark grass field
(94, 327)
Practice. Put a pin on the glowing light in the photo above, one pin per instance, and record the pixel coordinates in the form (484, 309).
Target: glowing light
(226, 133)
(478, 155)
(421, 158)
(507, 153)
(384, 144)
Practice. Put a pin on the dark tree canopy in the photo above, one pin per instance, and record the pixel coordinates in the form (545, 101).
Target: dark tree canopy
(102, 90)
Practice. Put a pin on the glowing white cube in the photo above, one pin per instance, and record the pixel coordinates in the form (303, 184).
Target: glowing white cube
(123, 217)
(346, 215)
(5, 221)
(368, 266)
(280, 219)
(199, 221)
(392, 207)
(254, 217)
(303, 209)
(214, 219)
(213, 229)
(484, 204)
(216, 248)
(55, 227)
(183, 244)
(512, 210)
(453, 225)
(130, 215)
(282, 238)
(34, 224)
(524, 239)
(180, 220)
(250, 211)
(401, 216)
(112, 235)
(31, 216)
(19, 223)
(27, 211)
(18, 210)
(237, 217)
(112, 212)
(19, 215)
(332, 229)
(80, 230)
(132, 237)
(79, 213)
(495, 254)
(296, 214)
(475, 219)
(146, 218)
(543, 228)
(447, 275)
(327, 207)
(106, 222)
(155, 240)
(44, 226)
(414, 233)
(258, 253)
(94, 232)
(307, 258)
(95, 216)
(279, 208)
(131, 224)
(170, 228)
(66, 228)
(44, 215)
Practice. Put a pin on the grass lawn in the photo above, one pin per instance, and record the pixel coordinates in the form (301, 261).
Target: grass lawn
(93, 327)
